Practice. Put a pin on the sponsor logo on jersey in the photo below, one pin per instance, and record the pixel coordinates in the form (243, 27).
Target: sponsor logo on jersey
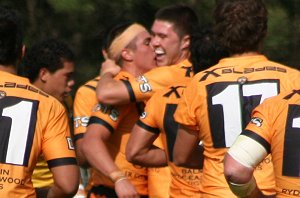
(144, 84)
(81, 121)
(2, 94)
(114, 114)
(103, 108)
(257, 121)
(70, 143)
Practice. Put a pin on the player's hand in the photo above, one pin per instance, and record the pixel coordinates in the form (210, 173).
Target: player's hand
(125, 189)
(109, 66)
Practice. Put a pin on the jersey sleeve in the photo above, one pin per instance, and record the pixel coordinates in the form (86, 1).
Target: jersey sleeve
(57, 146)
(143, 87)
(108, 116)
(148, 119)
(84, 102)
(189, 105)
(260, 126)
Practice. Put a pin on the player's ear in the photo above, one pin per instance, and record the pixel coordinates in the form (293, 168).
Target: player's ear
(127, 54)
(43, 74)
(185, 42)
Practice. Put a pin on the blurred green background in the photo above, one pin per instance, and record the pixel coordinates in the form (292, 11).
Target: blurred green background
(80, 22)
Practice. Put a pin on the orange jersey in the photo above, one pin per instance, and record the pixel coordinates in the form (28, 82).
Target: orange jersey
(85, 101)
(276, 126)
(158, 117)
(42, 176)
(143, 87)
(218, 102)
(32, 123)
(119, 120)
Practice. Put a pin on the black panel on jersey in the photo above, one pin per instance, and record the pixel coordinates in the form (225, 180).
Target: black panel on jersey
(62, 162)
(170, 127)
(91, 87)
(96, 120)
(148, 128)
(291, 151)
(258, 139)
(130, 90)
(78, 136)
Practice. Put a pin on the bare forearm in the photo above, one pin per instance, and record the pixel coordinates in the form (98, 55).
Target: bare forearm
(98, 156)
(152, 157)
(111, 91)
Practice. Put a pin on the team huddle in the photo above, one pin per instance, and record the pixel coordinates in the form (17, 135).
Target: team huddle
(182, 110)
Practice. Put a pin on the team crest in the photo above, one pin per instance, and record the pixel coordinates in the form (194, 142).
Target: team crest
(257, 121)
(2, 94)
(242, 80)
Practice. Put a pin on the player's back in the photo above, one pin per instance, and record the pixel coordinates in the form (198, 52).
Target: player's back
(28, 127)
(143, 87)
(158, 117)
(277, 126)
(226, 95)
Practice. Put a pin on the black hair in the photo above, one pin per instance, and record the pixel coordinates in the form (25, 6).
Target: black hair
(50, 54)
(205, 49)
(11, 36)
(183, 18)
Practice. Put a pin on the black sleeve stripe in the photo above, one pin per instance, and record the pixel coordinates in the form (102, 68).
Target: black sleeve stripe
(62, 162)
(78, 136)
(91, 87)
(130, 90)
(257, 138)
(96, 120)
(148, 128)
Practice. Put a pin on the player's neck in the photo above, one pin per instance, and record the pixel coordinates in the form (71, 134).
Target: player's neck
(10, 69)
(245, 54)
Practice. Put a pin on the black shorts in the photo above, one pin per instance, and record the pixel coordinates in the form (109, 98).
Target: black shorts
(104, 192)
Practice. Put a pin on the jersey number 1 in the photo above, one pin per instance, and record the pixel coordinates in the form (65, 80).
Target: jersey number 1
(17, 126)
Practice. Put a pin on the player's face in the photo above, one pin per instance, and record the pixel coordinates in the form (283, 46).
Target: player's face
(144, 56)
(166, 43)
(59, 84)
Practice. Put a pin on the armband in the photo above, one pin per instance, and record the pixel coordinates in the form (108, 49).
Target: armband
(243, 190)
(247, 151)
(117, 176)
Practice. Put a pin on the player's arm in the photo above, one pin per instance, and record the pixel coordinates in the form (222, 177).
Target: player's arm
(98, 157)
(66, 181)
(187, 151)
(109, 90)
(239, 164)
(140, 149)
(59, 152)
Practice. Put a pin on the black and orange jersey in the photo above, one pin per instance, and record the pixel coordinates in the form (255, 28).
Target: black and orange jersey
(85, 101)
(119, 120)
(143, 87)
(275, 124)
(42, 176)
(32, 123)
(218, 103)
(158, 118)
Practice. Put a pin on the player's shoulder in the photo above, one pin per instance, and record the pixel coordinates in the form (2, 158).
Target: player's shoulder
(170, 68)
(89, 85)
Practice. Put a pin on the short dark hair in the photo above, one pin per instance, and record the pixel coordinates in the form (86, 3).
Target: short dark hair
(11, 36)
(241, 25)
(183, 18)
(50, 54)
(113, 32)
(205, 49)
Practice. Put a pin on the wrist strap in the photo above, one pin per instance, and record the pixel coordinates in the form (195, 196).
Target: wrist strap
(117, 176)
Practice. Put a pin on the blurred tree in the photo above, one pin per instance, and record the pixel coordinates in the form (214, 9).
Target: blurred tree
(82, 22)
